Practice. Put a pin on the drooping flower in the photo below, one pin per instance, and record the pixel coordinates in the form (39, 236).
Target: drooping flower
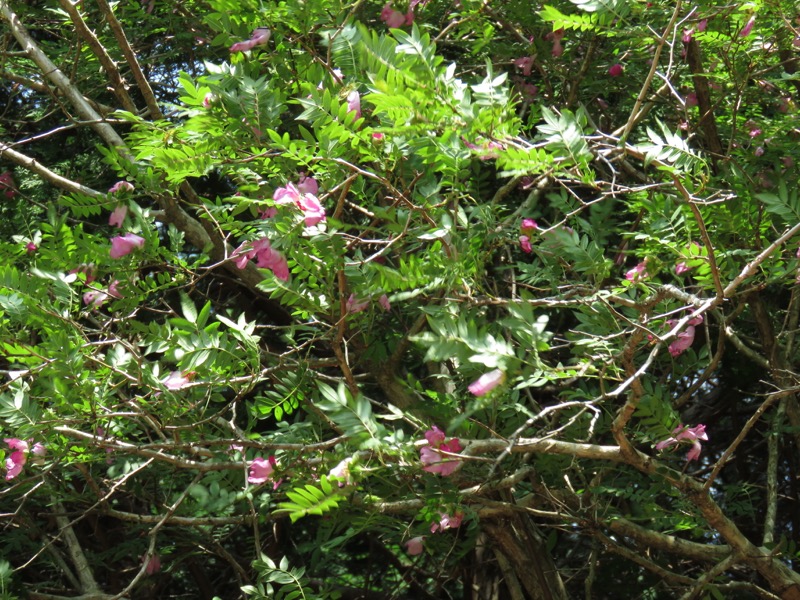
(487, 382)
(342, 472)
(383, 302)
(525, 244)
(748, 27)
(113, 290)
(17, 459)
(308, 203)
(354, 103)
(394, 18)
(556, 37)
(118, 216)
(354, 305)
(753, 130)
(7, 184)
(415, 546)
(259, 37)
(689, 434)
(307, 185)
(638, 272)
(529, 226)
(691, 100)
(95, 298)
(701, 26)
(616, 70)
(120, 186)
(30, 247)
(431, 457)
(125, 244)
(681, 268)
(447, 522)
(266, 257)
(525, 63)
(261, 470)
(685, 338)
(176, 380)
(153, 565)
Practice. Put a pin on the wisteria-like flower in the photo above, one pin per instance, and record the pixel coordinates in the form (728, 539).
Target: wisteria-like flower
(748, 27)
(125, 244)
(261, 470)
(265, 255)
(524, 63)
(487, 382)
(556, 37)
(342, 472)
(118, 216)
(447, 522)
(354, 103)
(431, 457)
(153, 565)
(307, 185)
(259, 37)
(120, 186)
(95, 298)
(689, 434)
(637, 273)
(308, 203)
(394, 18)
(415, 545)
(525, 244)
(616, 70)
(685, 338)
(354, 305)
(17, 459)
(177, 380)
(681, 268)
(383, 302)
(31, 248)
(691, 100)
(7, 184)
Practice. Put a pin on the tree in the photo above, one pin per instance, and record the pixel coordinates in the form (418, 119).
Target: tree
(424, 300)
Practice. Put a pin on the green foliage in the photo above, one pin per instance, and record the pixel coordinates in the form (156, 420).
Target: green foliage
(310, 500)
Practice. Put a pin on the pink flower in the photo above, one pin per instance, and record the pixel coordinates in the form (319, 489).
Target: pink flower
(685, 338)
(528, 226)
(30, 247)
(266, 257)
(176, 380)
(259, 37)
(261, 470)
(487, 382)
(354, 103)
(95, 298)
(208, 100)
(687, 35)
(681, 268)
(342, 471)
(759, 151)
(701, 26)
(113, 290)
(616, 70)
(747, 28)
(306, 202)
(414, 546)
(691, 100)
(753, 129)
(528, 90)
(125, 244)
(525, 63)
(431, 457)
(394, 18)
(17, 459)
(690, 434)
(637, 273)
(118, 216)
(377, 136)
(525, 244)
(353, 305)
(153, 564)
(556, 37)
(120, 186)
(268, 213)
(384, 303)
(447, 522)
(7, 184)
(307, 185)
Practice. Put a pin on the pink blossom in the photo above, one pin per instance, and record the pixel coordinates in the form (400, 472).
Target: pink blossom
(266, 257)
(113, 290)
(525, 63)
(7, 184)
(529, 226)
(208, 100)
(556, 37)
(681, 268)
(268, 213)
(120, 186)
(616, 70)
(259, 37)
(637, 273)
(353, 305)
(95, 298)
(415, 546)
(394, 18)
(354, 103)
(525, 244)
(759, 151)
(176, 380)
(307, 185)
(528, 90)
(153, 565)
(748, 27)
(701, 26)
(30, 247)
(687, 35)
(377, 136)
(118, 216)
(447, 522)
(691, 434)
(487, 382)
(17, 459)
(125, 244)
(384, 303)
(691, 100)
(433, 460)
(261, 470)
(342, 471)
(306, 202)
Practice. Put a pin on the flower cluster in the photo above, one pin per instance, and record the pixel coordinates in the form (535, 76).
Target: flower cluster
(685, 338)
(527, 228)
(7, 184)
(265, 255)
(303, 197)
(122, 245)
(177, 380)
(259, 37)
(394, 18)
(415, 545)
(120, 187)
(637, 273)
(431, 454)
(356, 305)
(96, 298)
(19, 456)
(692, 435)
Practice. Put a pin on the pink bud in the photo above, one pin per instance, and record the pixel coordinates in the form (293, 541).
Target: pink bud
(748, 27)
(616, 70)
(487, 382)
